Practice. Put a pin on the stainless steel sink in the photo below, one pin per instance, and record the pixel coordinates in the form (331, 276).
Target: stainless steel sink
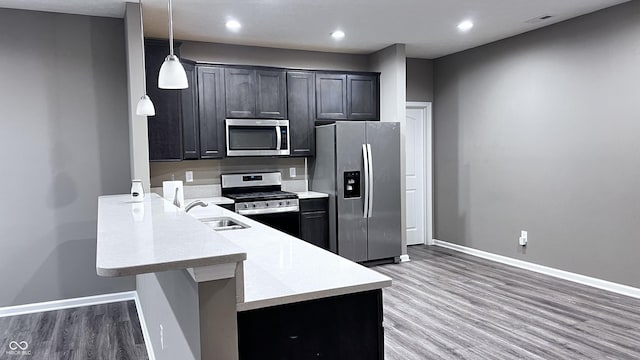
(224, 223)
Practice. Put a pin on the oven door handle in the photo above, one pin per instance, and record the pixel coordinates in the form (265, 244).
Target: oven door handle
(278, 138)
(287, 209)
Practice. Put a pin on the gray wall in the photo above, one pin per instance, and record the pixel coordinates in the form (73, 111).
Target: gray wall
(541, 132)
(391, 63)
(138, 130)
(262, 56)
(65, 141)
(419, 80)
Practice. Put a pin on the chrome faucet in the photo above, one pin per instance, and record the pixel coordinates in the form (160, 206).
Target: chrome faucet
(194, 204)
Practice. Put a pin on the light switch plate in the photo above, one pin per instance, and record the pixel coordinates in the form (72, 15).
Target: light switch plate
(188, 176)
(292, 172)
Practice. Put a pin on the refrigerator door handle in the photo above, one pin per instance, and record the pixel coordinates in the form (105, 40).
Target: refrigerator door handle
(278, 138)
(365, 158)
(370, 212)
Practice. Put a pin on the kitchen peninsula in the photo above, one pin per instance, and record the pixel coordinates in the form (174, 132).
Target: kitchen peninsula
(237, 294)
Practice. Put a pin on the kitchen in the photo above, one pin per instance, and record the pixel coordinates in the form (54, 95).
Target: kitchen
(50, 272)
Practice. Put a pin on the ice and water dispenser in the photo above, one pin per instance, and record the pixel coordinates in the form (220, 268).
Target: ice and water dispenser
(351, 184)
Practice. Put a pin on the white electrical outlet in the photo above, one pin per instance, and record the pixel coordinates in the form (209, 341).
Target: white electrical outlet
(292, 172)
(523, 238)
(188, 176)
(161, 336)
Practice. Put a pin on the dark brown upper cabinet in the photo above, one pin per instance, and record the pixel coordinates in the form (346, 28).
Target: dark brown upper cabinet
(347, 96)
(189, 113)
(331, 96)
(165, 128)
(211, 103)
(271, 94)
(255, 93)
(301, 99)
(362, 97)
(240, 92)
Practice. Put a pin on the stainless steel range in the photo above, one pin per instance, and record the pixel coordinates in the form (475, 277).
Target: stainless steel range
(259, 196)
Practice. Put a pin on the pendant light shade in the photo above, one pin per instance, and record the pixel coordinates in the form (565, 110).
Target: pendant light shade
(172, 74)
(145, 107)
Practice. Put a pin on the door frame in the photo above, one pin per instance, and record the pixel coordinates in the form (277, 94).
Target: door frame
(428, 166)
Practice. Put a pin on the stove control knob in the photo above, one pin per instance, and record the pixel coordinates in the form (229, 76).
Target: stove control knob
(266, 204)
(254, 205)
(245, 206)
(288, 202)
(280, 203)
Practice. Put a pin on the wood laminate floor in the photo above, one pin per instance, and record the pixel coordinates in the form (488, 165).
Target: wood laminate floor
(448, 305)
(442, 305)
(106, 331)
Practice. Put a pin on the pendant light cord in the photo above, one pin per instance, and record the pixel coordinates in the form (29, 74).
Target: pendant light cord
(170, 28)
(144, 64)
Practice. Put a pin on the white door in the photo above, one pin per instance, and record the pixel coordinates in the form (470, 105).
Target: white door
(415, 174)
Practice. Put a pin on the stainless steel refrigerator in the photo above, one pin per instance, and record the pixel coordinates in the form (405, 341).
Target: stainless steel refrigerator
(358, 165)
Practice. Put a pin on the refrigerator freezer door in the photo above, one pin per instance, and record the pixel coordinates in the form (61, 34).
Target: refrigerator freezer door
(351, 225)
(323, 175)
(384, 224)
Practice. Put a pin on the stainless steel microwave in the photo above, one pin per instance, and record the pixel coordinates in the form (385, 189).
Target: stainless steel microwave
(257, 137)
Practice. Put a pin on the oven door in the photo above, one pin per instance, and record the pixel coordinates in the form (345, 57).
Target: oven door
(257, 137)
(287, 222)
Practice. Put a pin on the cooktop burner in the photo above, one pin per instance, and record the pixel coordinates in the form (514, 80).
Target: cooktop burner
(262, 195)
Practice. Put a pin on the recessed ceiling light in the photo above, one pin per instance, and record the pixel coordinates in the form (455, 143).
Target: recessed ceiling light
(233, 25)
(465, 25)
(338, 34)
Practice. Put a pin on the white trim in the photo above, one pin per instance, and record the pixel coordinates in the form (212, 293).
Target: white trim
(561, 274)
(66, 303)
(428, 166)
(404, 258)
(145, 330)
(213, 272)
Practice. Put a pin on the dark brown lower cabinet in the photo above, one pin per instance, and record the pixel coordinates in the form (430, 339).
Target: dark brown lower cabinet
(314, 222)
(346, 327)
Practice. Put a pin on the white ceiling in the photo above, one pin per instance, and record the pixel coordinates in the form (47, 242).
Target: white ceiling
(428, 27)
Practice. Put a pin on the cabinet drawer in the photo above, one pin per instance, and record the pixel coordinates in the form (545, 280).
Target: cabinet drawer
(314, 204)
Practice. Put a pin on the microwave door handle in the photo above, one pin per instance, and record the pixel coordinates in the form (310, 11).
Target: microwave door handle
(365, 159)
(278, 138)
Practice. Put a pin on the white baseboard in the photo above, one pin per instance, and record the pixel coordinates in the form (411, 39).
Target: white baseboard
(404, 258)
(66, 303)
(145, 330)
(566, 275)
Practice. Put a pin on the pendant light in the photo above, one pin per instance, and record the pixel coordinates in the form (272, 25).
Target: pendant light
(145, 106)
(172, 74)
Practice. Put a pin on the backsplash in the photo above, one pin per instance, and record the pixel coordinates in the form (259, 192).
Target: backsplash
(206, 173)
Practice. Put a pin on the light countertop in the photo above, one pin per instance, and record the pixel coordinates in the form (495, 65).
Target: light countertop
(282, 269)
(218, 200)
(154, 236)
(311, 195)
